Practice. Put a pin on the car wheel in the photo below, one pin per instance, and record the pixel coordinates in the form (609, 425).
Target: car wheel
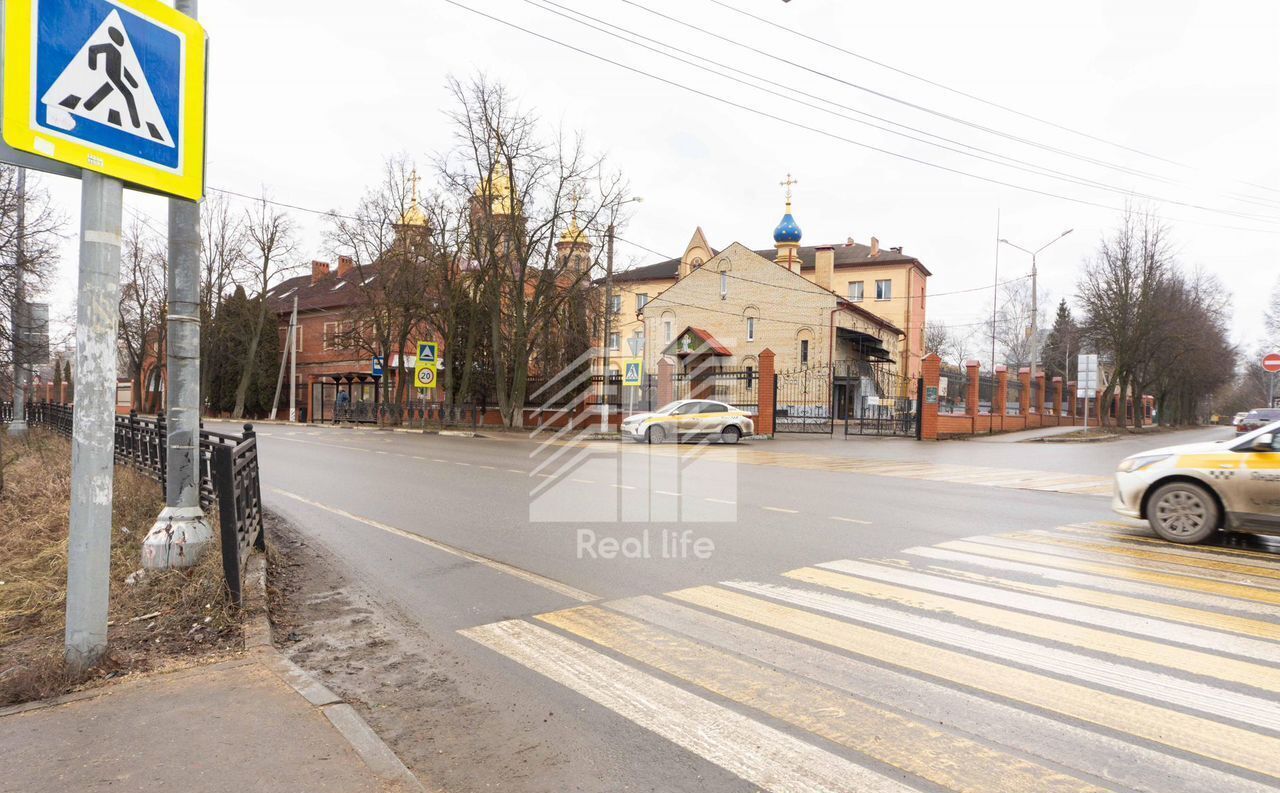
(730, 434)
(655, 434)
(1183, 512)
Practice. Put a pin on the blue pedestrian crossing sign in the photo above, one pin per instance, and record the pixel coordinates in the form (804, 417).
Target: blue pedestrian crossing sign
(427, 353)
(632, 371)
(114, 86)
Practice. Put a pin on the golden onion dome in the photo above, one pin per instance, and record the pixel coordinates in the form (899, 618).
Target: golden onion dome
(574, 235)
(413, 216)
(497, 188)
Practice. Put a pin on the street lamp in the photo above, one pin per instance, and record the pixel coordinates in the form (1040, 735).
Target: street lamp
(1034, 335)
(608, 309)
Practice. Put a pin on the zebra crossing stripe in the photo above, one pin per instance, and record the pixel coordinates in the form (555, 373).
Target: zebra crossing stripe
(1207, 699)
(1211, 640)
(1123, 538)
(1232, 745)
(951, 761)
(1170, 574)
(759, 754)
(1130, 765)
(1183, 556)
(1258, 629)
(1089, 579)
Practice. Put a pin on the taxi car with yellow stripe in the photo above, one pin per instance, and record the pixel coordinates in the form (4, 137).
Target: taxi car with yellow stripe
(1190, 492)
(690, 418)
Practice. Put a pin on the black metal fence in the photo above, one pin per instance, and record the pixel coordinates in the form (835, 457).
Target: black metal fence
(1013, 398)
(6, 412)
(953, 389)
(228, 468)
(434, 415)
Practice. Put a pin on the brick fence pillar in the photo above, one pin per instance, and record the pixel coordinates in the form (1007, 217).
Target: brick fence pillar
(1024, 377)
(1057, 396)
(1001, 405)
(1042, 396)
(1071, 400)
(666, 372)
(764, 401)
(971, 395)
(931, 372)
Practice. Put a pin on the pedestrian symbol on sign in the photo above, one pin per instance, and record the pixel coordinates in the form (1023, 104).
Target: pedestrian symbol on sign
(632, 371)
(104, 83)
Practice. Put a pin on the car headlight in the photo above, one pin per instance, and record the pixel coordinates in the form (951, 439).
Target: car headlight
(1132, 464)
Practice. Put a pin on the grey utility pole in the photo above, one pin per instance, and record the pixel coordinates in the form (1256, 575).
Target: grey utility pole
(93, 429)
(181, 533)
(1035, 330)
(608, 312)
(18, 426)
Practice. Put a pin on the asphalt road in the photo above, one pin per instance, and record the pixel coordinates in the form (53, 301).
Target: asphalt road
(658, 619)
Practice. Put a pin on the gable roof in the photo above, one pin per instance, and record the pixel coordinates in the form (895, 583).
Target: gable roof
(709, 343)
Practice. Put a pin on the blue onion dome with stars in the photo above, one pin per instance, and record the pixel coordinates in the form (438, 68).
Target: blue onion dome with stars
(787, 230)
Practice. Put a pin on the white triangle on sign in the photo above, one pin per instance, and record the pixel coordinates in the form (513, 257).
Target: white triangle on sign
(104, 83)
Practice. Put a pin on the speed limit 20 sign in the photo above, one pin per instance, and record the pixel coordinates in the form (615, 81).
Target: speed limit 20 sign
(1271, 362)
(424, 377)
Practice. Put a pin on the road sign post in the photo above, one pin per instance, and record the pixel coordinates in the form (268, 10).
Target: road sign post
(182, 517)
(1086, 381)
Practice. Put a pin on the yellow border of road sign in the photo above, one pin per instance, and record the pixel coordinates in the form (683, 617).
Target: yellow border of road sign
(435, 351)
(21, 133)
(417, 376)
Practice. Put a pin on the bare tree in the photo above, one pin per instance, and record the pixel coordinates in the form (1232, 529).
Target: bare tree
(525, 189)
(1272, 317)
(270, 233)
(39, 244)
(224, 261)
(142, 309)
(1013, 323)
(1120, 292)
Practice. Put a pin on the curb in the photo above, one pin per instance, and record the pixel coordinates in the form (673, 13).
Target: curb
(346, 720)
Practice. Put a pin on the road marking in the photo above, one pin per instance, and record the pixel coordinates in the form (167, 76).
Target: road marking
(782, 509)
(949, 761)
(719, 500)
(1182, 556)
(1211, 640)
(493, 564)
(488, 467)
(517, 471)
(1125, 536)
(759, 754)
(667, 493)
(1089, 579)
(583, 481)
(1233, 745)
(1125, 572)
(1129, 765)
(849, 520)
(456, 462)
(1210, 700)
(1249, 582)
(438, 460)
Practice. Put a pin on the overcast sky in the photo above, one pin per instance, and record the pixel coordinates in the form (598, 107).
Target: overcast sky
(307, 99)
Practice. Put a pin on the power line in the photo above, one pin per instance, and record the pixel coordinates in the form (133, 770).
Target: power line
(1004, 160)
(820, 131)
(958, 92)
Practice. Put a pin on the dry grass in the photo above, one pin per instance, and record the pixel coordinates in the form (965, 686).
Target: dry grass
(186, 612)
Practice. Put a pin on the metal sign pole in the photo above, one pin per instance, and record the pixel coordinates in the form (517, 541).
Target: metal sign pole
(93, 433)
(18, 426)
(180, 534)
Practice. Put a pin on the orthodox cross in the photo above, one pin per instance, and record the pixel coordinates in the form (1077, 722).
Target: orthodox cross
(787, 184)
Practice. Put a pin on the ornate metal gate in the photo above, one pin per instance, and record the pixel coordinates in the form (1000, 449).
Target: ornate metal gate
(875, 401)
(802, 400)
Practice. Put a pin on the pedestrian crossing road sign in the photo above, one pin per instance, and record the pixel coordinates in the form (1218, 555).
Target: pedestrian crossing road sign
(114, 86)
(427, 353)
(632, 371)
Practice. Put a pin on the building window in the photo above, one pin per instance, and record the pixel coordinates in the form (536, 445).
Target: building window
(884, 289)
(297, 338)
(615, 339)
(615, 304)
(751, 328)
(855, 291)
(804, 352)
(751, 371)
(666, 330)
(642, 300)
(724, 285)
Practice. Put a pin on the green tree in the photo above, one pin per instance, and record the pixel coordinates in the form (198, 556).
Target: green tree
(1062, 345)
(230, 333)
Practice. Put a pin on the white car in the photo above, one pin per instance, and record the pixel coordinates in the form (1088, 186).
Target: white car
(689, 418)
(1189, 492)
